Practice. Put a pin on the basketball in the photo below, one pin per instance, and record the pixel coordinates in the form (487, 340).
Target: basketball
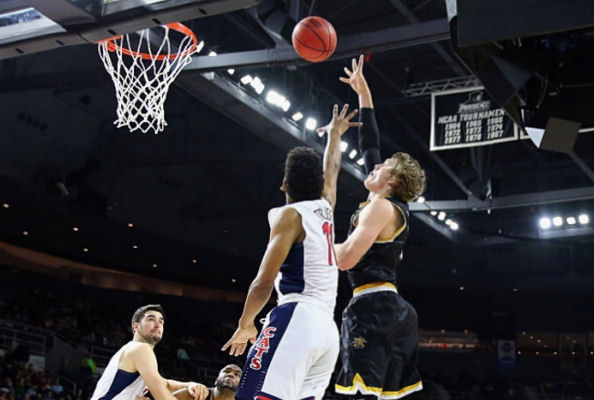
(314, 39)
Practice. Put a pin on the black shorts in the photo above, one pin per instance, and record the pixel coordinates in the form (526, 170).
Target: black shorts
(379, 347)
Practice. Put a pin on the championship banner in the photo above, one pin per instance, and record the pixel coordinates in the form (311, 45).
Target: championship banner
(467, 118)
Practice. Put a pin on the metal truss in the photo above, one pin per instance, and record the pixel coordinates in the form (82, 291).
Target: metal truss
(426, 88)
(519, 200)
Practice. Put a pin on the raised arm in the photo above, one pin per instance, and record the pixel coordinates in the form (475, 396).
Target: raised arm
(369, 143)
(339, 124)
(285, 230)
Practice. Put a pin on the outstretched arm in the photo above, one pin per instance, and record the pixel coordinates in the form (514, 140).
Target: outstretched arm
(339, 124)
(284, 232)
(196, 390)
(369, 142)
(145, 362)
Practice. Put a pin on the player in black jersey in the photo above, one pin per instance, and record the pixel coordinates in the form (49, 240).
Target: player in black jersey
(226, 383)
(379, 333)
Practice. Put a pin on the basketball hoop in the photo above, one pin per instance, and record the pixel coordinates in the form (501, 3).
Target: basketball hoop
(143, 77)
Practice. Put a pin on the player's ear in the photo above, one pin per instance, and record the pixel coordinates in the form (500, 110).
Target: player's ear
(284, 185)
(394, 182)
(134, 327)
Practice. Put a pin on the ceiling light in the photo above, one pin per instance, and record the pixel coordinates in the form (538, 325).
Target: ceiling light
(273, 97)
(233, 280)
(130, 224)
(246, 79)
(360, 161)
(434, 213)
(353, 154)
(194, 261)
(461, 287)
(321, 133)
(212, 53)
(230, 71)
(85, 250)
(545, 223)
(75, 229)
(134, 246)
(421, 199)
(454, 226)
(441, 216)
(343, 146)
(5, 205)
(257, 84)
(557, 221)
(155, 265)
(298, 116)
(26, 233)
(448, 222)
(278, 100)
(311, 124)
(584, 219)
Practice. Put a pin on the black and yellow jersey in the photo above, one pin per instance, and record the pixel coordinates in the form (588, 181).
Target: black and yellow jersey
(380, 262)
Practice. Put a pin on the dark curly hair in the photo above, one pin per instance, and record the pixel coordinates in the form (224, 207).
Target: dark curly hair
(304, 175)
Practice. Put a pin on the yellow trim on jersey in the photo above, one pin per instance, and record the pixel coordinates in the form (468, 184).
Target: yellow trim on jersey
(398, 231)
(373, 285)
(403, 392)
(359, 384)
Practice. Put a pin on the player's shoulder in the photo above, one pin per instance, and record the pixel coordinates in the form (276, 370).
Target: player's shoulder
(137, 349)
(380, 205)
(284, 215)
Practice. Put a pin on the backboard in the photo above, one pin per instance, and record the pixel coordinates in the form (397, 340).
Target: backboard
(29, 26)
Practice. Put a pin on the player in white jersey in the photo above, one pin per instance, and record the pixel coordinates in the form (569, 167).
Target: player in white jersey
(294, 355)
(134, 367)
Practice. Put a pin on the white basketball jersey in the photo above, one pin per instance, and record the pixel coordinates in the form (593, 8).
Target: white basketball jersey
(310, 272)
(116, 384)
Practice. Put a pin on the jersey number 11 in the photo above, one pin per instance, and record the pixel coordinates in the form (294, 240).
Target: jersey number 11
(329, 232)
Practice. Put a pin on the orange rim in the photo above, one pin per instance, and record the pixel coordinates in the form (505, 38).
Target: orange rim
(176, 26)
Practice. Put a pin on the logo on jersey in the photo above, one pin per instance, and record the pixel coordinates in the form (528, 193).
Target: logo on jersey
(262, 346)
(359, 342)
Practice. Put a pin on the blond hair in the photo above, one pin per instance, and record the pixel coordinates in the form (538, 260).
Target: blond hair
(410, 177)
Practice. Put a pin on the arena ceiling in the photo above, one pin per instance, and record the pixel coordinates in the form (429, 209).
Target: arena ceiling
(193, 200)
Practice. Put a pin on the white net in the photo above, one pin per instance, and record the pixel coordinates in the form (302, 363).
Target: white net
(142, 73)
